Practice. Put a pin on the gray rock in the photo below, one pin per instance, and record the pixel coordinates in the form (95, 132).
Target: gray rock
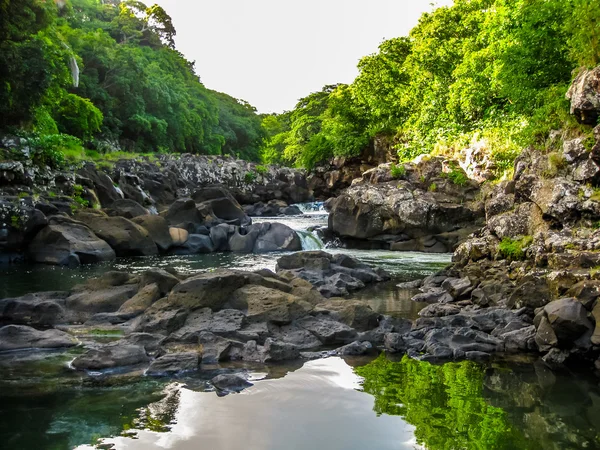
(21, 337)
(229, 383)
(568, 319)
(126, 208)
(158, 229)
(109, 356)
(355, 348)
(214, 348)
(328, 331)
(279, 351)
(584, 94)
(173, 363)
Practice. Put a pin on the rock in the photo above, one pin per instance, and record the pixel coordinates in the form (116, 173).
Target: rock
(214, 348)
(109, 356)
(103, 184)
(141, 301)
(355, 314)
(183, 211)
(433, 295)
(40, 309)
(265, 304)
(163, 279)
(158, 229)
(458, 288)
(126, 208)
(124, 236)
(109, 299)
(219, 236)
(275, 237)
(279, 351)
(210, 289)
(228, 383)
(243, 243)
(568, 319)
(584, 94)
(521, 340)
(596, 315)
(222, 203)
(150, 342)
(394, 343)
(65, 241)
(195, 244)
(179, 236)
(439, 310)
(355, 348)
(574, 150)
(296, 335)
(173, 363)
(556, 357)
(586, 291)
(545, 337)
(21, 337)
(328, 331)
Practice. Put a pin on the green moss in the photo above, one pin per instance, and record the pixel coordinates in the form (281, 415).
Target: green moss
(23, 195)
(432, 187)
(457, 177)
(514, 249)
(397, 171)
(556, 163)
(261, 169)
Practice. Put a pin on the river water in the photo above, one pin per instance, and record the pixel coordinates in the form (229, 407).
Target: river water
(375, 402)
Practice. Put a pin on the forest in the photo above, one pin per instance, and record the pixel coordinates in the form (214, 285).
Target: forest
(488, 71)
(105, 76)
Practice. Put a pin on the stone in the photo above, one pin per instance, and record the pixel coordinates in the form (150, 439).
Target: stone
(109, 299)
(279, 351)
(596, 315)
(545, 337)
(39, 309)
(355, 348)
(103, 184)
(265, 304)
(141, 301)
(568, 319)
(214, 348)
(163, 279)
(584, 94)
(179, 236)
(222, 203)
(109, 356)
(229, 383)
(124, 236)
(65, 241)
(183, 211)
(275, 237)
(439, 310)
(195, 244)
(433, 295)
(158, 229)
(586, 291)
(574, 150)
(520, 340)
(355, 314)
(219, 235)
(328, 331)
(174, 363)
(126, 208)
(21, 337)
(150, 342)
(458, 288)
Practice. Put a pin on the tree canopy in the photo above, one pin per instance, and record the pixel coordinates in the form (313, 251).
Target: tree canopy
(133, 88)
(493, 70)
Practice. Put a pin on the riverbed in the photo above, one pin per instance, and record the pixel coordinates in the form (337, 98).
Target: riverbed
(378, 402)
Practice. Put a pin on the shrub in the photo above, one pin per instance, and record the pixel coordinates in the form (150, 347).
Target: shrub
(514, 249)
(432, 187)
(556, 162)
(397, 171)
(458, 177)
(261, 169)
(249, 177)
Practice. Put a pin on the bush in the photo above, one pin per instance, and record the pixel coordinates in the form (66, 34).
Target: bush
(514, 249)
(397, 171)
(261, 169)
(458, 177)
(556, 163)
(249, 177)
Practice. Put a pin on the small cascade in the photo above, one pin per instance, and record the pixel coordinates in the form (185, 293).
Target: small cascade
(73, 66)
(311, 208)
(310, 241)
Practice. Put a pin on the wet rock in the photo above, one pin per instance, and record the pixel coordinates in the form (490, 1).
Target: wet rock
(103, 184)
(109, 356)
(214, 348)
(195, 244)
(522, 339)
(265, 304)
(457, 288)
(276, 236)
(296, 335)
(433, 295)
(158, 229)
(355, 348)
(586, 291)
(228, 383)
(439, 310)
(67, 242)
(163, 279)
(595, 338)
(568, 319)
(183, 211)
(21, 337)
(150, 342)
(173, 363)
(109, 299)
(179, 236)
(124, 236)
(279, 351)
(222, 203)
(545, 337)
(243, 243)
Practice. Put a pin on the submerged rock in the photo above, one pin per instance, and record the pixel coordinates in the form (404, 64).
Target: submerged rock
(230, 383)
(21, 337)
(110, 356)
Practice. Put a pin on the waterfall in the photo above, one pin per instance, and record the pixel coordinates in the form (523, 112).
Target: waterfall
(311, 208)
(73, 66)
(310, 241)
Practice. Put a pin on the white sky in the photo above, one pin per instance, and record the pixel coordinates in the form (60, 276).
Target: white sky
(273, 52)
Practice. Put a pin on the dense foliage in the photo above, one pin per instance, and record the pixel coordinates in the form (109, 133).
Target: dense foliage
(492, 71)
(133, 89)
(445, 403)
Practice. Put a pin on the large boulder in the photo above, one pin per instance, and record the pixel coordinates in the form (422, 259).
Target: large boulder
(109, 356)
(261, 304)
(21, 337)
(223, 205)
(568, 318)
(65, 242)
(584, 95)
(126, 208)
(275, 237)
(158, 229)
(103, 184)
(124, 236)
(41, 309)
(173, 363)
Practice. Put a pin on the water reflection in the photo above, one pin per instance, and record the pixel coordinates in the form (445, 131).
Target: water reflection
(465, 405)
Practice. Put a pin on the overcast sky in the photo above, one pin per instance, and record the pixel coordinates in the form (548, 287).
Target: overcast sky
(273, 52)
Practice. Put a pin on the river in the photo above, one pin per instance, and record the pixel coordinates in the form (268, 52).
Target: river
(353, 403)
